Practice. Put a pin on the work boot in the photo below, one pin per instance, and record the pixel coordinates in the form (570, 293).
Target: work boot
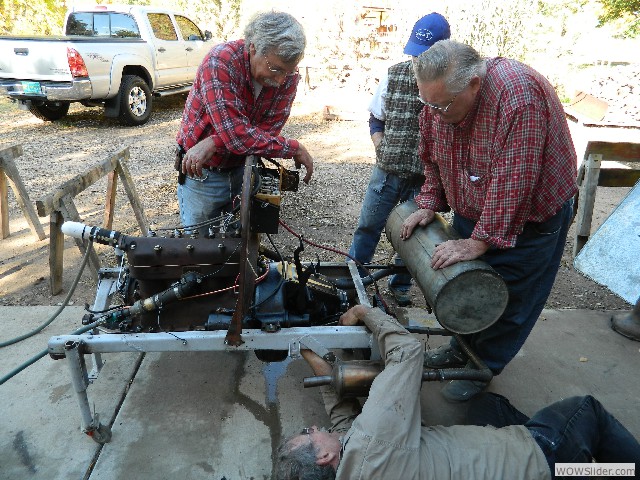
(445, 356)
(463, 390)
(401, 296)
(628, 323)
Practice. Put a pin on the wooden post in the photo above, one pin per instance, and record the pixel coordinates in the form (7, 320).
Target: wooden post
(8, 170)
(56, 251)
(4, 206)
(109, 210)
(586, 200)
(70, 214)
(130, 189)
(67, 212)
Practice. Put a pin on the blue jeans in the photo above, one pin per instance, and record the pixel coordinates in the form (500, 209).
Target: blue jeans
(574, 430)
(529, 270)
(206, 197)
(385, 191)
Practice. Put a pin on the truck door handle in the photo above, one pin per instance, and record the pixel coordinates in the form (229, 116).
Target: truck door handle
(162, 49)
(189, 49)
(21, 51)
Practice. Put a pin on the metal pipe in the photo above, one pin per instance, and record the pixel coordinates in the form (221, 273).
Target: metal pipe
(80, 381)
(466, 297)
(354, 378)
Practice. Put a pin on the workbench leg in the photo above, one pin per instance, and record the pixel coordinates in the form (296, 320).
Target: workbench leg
(586, 200)
(4, 206)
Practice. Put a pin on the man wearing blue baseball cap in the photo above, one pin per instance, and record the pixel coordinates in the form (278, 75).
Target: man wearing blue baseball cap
(393, 125)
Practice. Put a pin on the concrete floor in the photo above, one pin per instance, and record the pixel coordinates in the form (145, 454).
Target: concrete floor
(221, 415)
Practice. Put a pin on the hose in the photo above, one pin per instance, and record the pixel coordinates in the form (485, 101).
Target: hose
(65, 302)
(43, 353)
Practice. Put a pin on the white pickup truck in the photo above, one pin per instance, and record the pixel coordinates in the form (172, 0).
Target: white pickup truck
(118, 57)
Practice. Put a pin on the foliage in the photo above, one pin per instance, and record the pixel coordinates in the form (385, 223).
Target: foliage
(625, 12)
(222, 17)
(34, 17)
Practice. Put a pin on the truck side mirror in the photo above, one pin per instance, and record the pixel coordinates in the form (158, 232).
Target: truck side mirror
(207, 35)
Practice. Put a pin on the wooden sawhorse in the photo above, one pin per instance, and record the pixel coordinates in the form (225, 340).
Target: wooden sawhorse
(9, 171)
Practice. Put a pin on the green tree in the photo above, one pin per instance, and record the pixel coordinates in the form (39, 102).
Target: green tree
(221, 16)
(493, 27)
(33, 17)
(623, 12)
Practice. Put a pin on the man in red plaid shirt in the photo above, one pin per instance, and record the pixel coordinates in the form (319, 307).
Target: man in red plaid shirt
(240, 100)
(497, 151)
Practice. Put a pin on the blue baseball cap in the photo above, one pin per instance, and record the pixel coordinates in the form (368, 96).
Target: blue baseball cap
(427, 31)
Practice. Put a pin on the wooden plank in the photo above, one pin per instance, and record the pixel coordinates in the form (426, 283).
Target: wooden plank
(618, 177)
(56, 252)
(130, 189)
(615, 151)
(586, 201)
(79, 183)
(112, 185)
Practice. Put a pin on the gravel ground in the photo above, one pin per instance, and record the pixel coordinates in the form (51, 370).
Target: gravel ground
(326, 211)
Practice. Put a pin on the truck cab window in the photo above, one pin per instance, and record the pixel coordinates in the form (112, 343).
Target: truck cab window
(101, 25)
(80, 24)
(123, 26)
(162, 26)
(188, 29)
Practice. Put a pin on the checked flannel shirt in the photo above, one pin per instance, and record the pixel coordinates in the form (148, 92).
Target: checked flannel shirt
(222, 105)
(509, 162)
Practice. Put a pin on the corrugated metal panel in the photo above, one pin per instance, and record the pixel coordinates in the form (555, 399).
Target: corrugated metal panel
(611, 257)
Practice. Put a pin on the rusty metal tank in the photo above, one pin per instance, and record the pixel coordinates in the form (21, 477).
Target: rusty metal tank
(466, 297)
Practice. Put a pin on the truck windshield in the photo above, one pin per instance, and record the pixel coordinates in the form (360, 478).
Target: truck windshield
(98, 24)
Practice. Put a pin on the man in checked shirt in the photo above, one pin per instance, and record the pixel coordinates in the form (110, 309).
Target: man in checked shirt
(240, 100)
(497, 151)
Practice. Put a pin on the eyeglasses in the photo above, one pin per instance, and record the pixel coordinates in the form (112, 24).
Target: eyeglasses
(438, 108)
(279, 71)
(310, 430)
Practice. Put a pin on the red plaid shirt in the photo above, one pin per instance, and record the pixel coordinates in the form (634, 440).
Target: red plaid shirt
(222, 105)
(509, 162)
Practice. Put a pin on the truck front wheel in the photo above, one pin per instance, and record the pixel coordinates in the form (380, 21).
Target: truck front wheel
(135, 101)
(50, 111)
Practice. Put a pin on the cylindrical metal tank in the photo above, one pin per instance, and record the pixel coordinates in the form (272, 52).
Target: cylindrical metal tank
(466, 297)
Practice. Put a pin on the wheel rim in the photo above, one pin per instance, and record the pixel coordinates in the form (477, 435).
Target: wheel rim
(137, 101)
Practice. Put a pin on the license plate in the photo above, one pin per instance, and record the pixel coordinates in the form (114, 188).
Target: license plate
(31, 88)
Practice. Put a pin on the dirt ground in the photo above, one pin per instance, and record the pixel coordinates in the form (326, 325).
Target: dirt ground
(326, 211)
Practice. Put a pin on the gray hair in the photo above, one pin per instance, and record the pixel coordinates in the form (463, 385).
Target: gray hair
(300, 463)
(276, 32)
(452, 61)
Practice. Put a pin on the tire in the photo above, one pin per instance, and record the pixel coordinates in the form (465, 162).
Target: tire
(135, 101)
(50, 111)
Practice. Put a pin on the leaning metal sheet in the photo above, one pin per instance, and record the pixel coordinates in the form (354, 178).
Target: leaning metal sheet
(611, 257)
